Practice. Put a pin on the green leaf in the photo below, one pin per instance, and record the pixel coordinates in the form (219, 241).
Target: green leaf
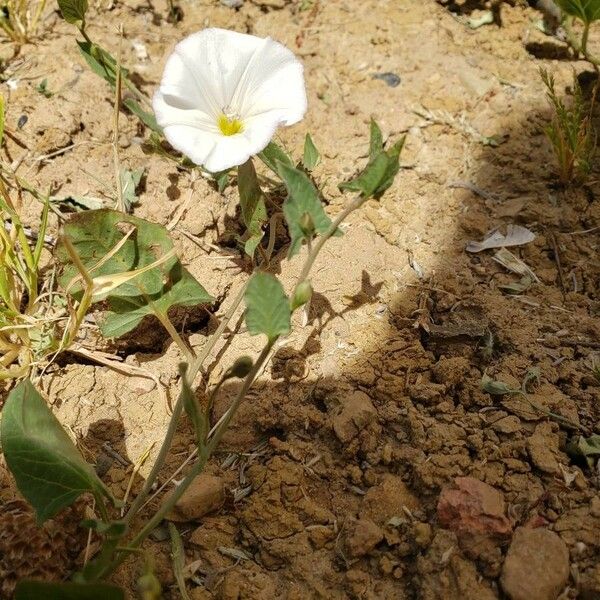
(104, 65)
(586, 10)
(40, 590)
(178, 555)
(222, 179)
(147, 118)
(48, 469)
(114, 529)
(272, 155)
(267, 307)
(375, 141)
(392, 168)
(73, 11)
(311, 155)
(192, 408)
(129, 183)
(126, 313)
(95, 234)
(587, 448)
(380, 172)
(100, 62)
(252, 205)
(496, 388)
(42, 88)
(368, 181)
(302, 199)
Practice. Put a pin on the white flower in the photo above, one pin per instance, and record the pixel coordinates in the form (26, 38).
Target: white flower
(223, 94)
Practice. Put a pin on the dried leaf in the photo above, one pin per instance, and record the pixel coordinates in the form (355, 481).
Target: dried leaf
(516, 235)
(517, 287)
(509, 261)
(496, 388)
(235, 553)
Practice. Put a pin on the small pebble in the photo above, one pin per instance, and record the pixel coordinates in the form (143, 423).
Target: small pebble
(391, 79)
(232, 3)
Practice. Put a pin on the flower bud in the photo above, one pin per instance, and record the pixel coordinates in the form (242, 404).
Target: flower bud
(307, 225)
(302, 294)
(149, 587)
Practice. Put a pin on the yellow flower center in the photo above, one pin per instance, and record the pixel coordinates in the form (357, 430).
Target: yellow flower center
(230, 126)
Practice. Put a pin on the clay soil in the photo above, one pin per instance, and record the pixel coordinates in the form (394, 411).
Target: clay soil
(367, 461)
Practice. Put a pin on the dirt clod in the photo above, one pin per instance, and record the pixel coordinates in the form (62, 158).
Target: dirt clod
(361, 537)
(543, 448)
(536, 565)
(356, 412)
(388, 499)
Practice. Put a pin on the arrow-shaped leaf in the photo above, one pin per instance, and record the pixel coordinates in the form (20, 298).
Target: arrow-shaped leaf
(48, 469)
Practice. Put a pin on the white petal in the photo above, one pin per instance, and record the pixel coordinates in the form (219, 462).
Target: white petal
(229, 151)
(174, 110)
(274, 81)
(217, 59)
(215, 71)
(184, 83)
(234, 150)
(194, 142)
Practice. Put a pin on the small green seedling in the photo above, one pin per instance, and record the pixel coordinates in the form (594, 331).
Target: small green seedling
(496, 387)
(570, 131)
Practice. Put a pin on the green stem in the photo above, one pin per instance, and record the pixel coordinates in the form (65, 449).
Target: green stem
(159, 462)
(580, 47)
(196, 364)
(187, 352)
(205, 453)
(83, 32)
(248, 381)
(312, 255)
(584, 38)
(192, 372)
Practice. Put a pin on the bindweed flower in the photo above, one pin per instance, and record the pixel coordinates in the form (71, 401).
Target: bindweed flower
(223, 94)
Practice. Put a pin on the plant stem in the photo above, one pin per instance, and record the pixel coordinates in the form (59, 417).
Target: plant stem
(248, 381)
(196, 364)
(581, 47)
(205, 453)
(187, 352)
(584, 38)
(159, 462)
(312, 256)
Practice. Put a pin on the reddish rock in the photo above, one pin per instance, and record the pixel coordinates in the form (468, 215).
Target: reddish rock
(536, 565)
(472, 506)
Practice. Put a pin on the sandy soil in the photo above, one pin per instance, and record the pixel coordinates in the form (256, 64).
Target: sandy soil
(348, 450)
